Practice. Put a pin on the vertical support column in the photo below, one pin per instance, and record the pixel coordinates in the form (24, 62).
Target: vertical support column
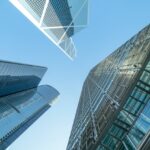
(92, 114)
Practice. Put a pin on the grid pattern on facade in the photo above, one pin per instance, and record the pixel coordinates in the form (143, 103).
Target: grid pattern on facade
(22, 101)
(37, 6)
(130, 127)
(58, 20)
(17, 109)
(105, 90)
(16, 77)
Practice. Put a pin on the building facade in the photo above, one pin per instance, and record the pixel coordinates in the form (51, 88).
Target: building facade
(22, 101)
(58, 20)
(114, 108)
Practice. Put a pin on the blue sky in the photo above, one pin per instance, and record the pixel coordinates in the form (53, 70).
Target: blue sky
(111, 24)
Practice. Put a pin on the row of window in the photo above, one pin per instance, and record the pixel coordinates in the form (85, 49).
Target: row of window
(112, 77)
(129, 129)
(17, 108)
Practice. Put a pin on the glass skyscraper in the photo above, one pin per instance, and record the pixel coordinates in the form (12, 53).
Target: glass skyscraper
(22, 101)
(59, 20)
(114, 108)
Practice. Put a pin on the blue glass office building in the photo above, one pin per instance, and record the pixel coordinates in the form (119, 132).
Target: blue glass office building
(114, 108)
(22, 101)
(59, 20)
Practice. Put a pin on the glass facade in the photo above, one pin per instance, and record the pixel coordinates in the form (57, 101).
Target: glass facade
(58, 20)
(133, 121)
(15, 77)
(22, 101)
(112, 113)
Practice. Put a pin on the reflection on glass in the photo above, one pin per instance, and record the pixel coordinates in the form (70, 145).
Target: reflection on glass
(20, 110)
(58, 20)
(15, 77)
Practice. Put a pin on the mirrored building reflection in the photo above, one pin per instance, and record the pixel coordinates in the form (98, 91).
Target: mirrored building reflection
(59, 20)
(22, 101)
(114, 108)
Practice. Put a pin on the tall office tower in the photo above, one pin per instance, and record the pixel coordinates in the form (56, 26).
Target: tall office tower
(59, 20)
(22, 101)
(114, 108)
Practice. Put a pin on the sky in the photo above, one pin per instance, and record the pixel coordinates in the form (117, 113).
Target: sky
(111, 23)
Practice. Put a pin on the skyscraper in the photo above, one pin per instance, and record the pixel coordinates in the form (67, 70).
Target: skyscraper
(22, 101)
(114, 108)
(58, 20)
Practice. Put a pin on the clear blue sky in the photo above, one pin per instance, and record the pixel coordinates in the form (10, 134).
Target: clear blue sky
(112, 22)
